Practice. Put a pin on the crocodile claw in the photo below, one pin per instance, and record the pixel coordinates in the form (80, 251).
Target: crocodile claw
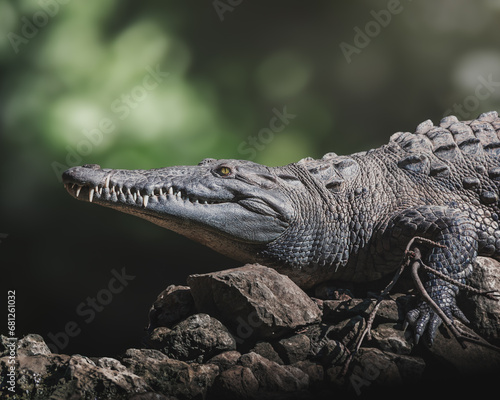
(423, 319)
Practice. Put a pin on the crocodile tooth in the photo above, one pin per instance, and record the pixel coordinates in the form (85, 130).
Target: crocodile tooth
(145, 201)
(170, 190)
(178, 194)
(106, 182)
(91, 194)
(135, 196)
(78, 190)
(161, 192)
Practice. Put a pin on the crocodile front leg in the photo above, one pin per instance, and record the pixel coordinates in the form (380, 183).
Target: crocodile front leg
(455, 234)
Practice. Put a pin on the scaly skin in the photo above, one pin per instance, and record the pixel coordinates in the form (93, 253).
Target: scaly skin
(344, 217)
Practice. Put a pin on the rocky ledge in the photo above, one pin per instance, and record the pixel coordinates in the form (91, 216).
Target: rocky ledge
(251, 333)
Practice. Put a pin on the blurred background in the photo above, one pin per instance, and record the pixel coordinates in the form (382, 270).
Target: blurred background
(127, 84)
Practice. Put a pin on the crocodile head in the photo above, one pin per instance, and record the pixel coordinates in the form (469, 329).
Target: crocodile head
(231, 206)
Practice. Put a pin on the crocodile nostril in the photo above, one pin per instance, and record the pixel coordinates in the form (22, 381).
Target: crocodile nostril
(91, 166)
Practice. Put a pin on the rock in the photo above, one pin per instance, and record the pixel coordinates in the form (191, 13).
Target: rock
(325, 291)
(484, 313)
(225, 360)
(323, 347)
(315, 371)
(150, 396)
(393, 309)
(390, 310)
(237, 382)
(197, 338)
(173, 305)
(266, 350)
(273, 377)
(171, 377)
(387, 338)
(295, 354)
(339, 310)
(474, 359)
(349, 331)
(253, 301)
(374, 368)
(5, 345)
(294, 348)
(335, 379)
(332, 352)
(64, 377)
(31, 345)
(37, 376)
(109, 377)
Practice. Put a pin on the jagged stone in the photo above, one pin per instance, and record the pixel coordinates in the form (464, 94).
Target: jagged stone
(273, 377)
(253, 301)
(294, 348)
(197, 338)
(323, 347)
(38, 376)
(226, 359)
(374, 368)
(31, 345)
(326, 291)
(339, 310)
(172, 305)
(266, 350)
(235, 383)
(300, 363)
(61, 376)
(332, 352)
(171, 377)
(389, 338)
(106, 379)
(484, 313)
(476, 358)
(390, 310)
(348, 331)
(314, 370)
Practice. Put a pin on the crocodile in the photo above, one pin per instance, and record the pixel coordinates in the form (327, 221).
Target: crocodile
(338, 217)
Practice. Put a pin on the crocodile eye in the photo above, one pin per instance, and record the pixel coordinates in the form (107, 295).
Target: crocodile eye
(224, 171)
